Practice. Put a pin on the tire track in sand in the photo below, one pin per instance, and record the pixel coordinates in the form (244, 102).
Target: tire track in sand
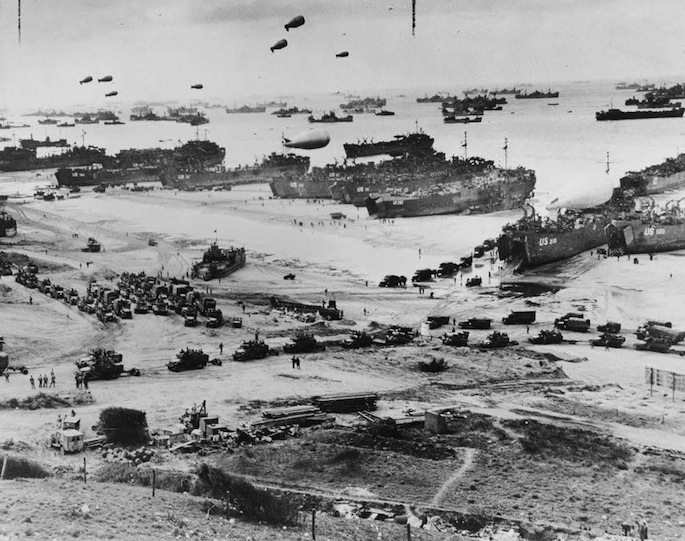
(468, 462)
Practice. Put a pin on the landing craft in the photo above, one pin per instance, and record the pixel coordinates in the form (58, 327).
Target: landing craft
(197, 87)
(344, 54)
(113, 93)
(86, 80)
(308, 140)
(295, 22)
(279, 45)
(105, 79)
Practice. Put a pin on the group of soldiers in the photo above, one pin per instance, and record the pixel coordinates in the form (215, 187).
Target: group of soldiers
(43, 381)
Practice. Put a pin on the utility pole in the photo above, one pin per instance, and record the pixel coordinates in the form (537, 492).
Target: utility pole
(465, 145)
(506, 147)
(19, 20)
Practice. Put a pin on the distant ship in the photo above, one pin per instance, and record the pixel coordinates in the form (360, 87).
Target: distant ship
(413, 143)
(292, 111)
(536, 94)
(532, 241)
(512, 90)
(491, 191)
(454, 119)
(35, 143)
(435, 98)
(246, 109)
(648, 233)
(331, 117)
(618, 114)
(48, 121)
(218, 263)
(656, 179)
(364, 104)
(385, 112)
(87, 119)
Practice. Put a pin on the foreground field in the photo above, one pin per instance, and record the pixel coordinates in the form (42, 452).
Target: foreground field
(582, 445)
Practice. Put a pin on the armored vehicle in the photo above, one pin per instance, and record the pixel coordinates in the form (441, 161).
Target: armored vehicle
(303, 343)
(358, 339)
(498, 340)
(215, 318)
(654, 344)
(101, 364)
(552, 336)
(475, 281)
(188, 359)
(610, 327)
(609, 340)
(92, 245)
(252, 350)
(458, 339)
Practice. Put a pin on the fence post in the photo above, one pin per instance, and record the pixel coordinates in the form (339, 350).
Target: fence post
(4, 467)
(154, 482)
(313, 524)
(228, 499)
(85, 480)
(408, 532)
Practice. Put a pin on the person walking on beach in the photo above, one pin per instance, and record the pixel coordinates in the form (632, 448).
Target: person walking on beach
(221, 348)
(7, 376)
(33, 382)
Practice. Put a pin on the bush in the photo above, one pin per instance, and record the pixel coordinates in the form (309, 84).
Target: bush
(120, 472)
(34, 402)
(20, 467)
(124, 426)
(435, 365)
(254, 503)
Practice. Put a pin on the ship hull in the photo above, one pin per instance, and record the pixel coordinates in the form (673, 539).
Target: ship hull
(69, 178)
(635, 237)
(495, 197)
(617, 114)
(291, 188)
(532, 248)
(232, 260)
(651, 185)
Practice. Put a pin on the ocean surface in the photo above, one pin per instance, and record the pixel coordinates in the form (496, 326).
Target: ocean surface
(563, 143)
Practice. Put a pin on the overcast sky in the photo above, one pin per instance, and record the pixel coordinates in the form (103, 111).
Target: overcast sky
(156, 49)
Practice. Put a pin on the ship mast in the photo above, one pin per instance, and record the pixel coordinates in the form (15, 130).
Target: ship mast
(19, 20)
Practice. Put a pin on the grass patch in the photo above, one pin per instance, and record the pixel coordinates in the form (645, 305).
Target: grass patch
(39, 401)
(169, 480)
(20, 467)
(569, 443)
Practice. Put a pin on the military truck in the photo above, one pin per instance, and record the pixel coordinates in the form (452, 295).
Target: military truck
(92, 245)
(122, 308)
(215, 318)
(545, 336)
(609, 340)
(423, 275)
(654, 344)
(474, 282)
(68, 438)
(252, 350)
(661, 332)
(392, 280)
(520, 317)
(188, 359)
(303, 343)
(397, 336)
(476, 323)
(478, 251)
(71, 296)
(459, 339)
(189, 317)
(105, 313)
(570, 322)
(448, 269)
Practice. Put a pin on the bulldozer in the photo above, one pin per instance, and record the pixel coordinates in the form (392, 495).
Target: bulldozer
(188, 359)
(303, 343)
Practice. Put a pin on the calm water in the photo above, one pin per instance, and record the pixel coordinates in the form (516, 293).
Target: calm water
(564, 144)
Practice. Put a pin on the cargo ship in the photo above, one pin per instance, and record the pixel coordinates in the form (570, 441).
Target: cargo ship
(366, 104)
(656, 179)
(35, 143)
(413, 143)
(536, 94)
(330, 118)
(491, 191)
(218, 263)
(292, 111)
(533, 241)
(648, 232)
(618, 114)
(435, 98)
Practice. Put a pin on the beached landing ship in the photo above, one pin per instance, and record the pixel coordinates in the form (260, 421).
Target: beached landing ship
(218, 263)
(648, 232)
(656, 179)
(533, 241)
(618, 114)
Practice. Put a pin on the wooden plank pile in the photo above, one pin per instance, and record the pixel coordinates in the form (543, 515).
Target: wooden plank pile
(346, 402)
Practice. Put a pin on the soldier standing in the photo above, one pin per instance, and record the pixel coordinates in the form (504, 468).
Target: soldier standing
(33, 382)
